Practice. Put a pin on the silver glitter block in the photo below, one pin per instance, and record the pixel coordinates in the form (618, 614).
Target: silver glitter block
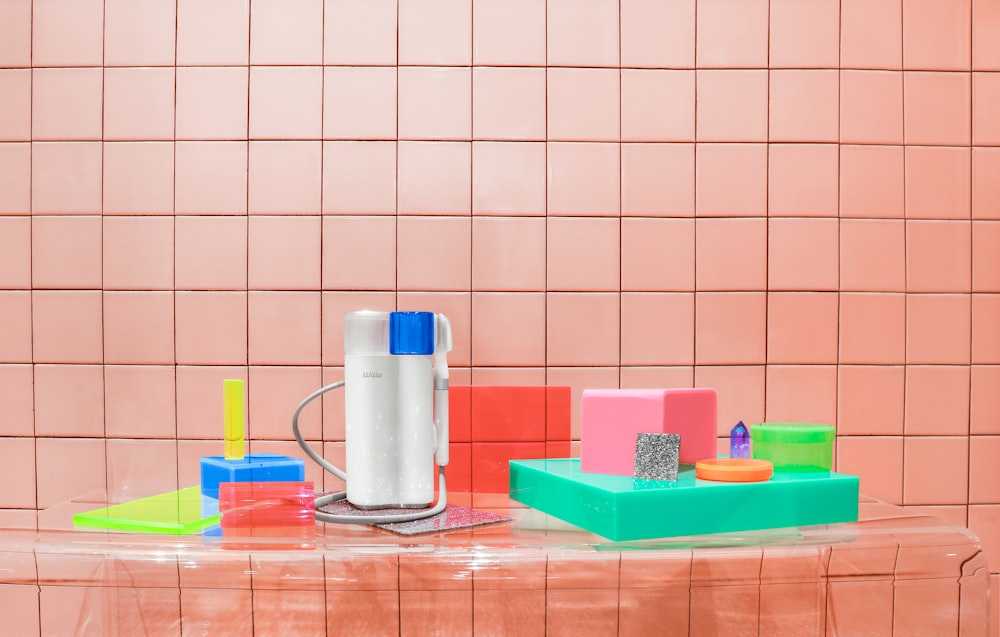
(657, 456)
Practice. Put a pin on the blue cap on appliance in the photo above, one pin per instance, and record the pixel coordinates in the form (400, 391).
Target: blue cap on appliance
(411, 333)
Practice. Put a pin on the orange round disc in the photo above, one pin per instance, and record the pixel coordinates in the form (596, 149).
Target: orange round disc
(734, 470)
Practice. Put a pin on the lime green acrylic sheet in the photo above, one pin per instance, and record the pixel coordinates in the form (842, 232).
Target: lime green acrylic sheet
(177, 513)
(622, 508)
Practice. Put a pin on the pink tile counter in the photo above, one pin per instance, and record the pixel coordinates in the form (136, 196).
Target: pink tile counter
(892, 573)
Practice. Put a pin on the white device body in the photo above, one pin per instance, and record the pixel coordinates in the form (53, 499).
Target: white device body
(371, 431)
(389, 407)
(417, 441)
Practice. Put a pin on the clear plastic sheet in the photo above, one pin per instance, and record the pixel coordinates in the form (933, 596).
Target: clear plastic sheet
(894, 570)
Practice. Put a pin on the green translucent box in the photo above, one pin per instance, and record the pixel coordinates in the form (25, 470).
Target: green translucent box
(624, 508)
(176, 513)
(794, 446)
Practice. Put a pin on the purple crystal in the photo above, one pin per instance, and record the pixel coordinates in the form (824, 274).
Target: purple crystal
(739, 441)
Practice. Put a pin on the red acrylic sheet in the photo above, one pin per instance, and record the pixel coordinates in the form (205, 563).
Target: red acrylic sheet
(265, 506)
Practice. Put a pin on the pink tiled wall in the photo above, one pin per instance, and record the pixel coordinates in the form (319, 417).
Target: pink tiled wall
(795, 202)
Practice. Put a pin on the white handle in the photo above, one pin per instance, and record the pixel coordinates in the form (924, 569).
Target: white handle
(441, 348)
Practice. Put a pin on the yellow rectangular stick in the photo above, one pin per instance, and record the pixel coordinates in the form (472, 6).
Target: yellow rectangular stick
(234, 420)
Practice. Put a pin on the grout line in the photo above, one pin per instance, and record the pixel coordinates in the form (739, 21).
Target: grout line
(104, 336)
(246, 215)
(972, 257)
(506, 66)
(31, 265)
(472, 186)
(472, 180)
(621, 200)
(173, 251)
(545, 227)
(840, 221)
(767, 226)
(694, 212)
(322, 224)
(534, 141)
(395, 284)
(906, 282)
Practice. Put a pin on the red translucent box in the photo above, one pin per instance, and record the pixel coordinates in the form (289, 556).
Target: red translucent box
(264, 508)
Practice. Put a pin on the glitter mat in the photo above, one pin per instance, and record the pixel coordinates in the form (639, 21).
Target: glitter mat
(453, 517)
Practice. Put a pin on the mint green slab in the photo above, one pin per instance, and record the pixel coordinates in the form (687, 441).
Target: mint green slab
(176, 513)
(623, 508)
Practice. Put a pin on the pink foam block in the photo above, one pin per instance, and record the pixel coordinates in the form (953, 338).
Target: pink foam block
(611, 418)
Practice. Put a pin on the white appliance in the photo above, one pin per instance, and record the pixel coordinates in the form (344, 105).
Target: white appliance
(396, 415)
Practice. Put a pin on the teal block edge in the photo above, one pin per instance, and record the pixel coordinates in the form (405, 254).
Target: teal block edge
(621, 508)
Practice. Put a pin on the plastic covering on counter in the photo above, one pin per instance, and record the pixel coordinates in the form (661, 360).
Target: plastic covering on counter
(892, 570)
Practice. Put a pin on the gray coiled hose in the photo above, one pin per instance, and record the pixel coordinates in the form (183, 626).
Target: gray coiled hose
(341, 495)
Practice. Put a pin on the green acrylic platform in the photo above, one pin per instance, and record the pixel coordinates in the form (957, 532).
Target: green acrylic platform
(622, 508)
(176, 513)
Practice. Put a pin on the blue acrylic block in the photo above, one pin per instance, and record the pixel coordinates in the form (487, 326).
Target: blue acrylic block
(254, 467)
